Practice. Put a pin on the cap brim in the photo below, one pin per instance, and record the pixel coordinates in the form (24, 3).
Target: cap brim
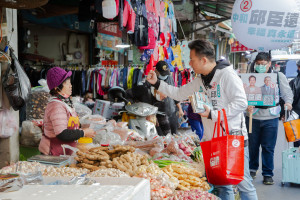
(165, 73)
(69, 74)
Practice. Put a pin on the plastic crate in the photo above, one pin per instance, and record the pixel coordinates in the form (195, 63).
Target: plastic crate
(291, 166)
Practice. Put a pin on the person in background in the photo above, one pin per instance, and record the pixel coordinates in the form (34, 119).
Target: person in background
(295, 85)
(166, 104)
(61, 123)
(167, 123)
(232, 98)
(265, 121)
(195, 122)
(88, 100)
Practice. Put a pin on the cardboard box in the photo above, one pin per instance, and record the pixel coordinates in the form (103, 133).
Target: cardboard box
(107, 109)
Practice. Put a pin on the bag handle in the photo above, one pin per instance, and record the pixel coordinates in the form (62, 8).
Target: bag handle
(219, 124)
(225, 121)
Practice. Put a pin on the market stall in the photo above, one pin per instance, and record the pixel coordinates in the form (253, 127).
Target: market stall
(118, 158)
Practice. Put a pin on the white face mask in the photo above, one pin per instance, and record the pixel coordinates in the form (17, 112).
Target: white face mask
(162, 77)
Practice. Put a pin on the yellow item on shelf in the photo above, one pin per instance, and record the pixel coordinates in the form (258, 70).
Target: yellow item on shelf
(126, 117)
(85, 140)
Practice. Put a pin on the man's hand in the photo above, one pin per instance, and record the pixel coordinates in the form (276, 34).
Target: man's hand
(288, 105)
(152, 78)
(206, 113)
(250, 109)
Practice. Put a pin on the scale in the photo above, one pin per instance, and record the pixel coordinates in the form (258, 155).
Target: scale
(57, 161)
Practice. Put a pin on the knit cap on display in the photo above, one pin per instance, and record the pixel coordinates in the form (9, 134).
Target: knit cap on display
(57, 76)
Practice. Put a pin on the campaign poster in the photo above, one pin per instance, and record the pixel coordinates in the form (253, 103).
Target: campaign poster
(261, 88)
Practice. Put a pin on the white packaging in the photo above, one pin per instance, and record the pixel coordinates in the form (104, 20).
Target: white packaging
(107, 109)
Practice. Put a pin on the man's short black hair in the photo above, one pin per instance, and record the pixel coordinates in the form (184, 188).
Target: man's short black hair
(263, 56)
(203, 48)
(252, 77)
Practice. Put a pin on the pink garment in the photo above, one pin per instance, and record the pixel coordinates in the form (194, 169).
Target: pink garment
(152, 40)
(150, 6)
(175, 76)
(153, 22)
(55, 121)
(128, 17)
(100, 91)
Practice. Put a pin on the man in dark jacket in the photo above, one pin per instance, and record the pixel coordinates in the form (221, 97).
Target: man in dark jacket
(295, 85)
(168, 123)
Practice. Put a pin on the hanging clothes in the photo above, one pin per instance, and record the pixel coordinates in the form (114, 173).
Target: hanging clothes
(185, 54)
(170, 59)
(177, 57)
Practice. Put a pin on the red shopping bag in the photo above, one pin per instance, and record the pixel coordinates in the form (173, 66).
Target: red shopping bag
(224, 156)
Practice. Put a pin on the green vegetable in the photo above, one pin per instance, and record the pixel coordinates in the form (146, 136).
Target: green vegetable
(197, 154)
(164, 163)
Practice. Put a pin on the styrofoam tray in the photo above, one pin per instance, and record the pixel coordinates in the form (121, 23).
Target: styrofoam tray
(74, 192)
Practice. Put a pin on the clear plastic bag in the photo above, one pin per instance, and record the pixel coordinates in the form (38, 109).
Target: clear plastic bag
(8, 124)
(104, 137)
(82, 110)
(92, 121)
(30, 134)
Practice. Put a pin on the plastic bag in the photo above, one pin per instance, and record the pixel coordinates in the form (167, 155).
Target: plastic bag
(37, 101)
(104, 137)
(92, 119)
(8, 124)
(82, 110)
(16, 84)
(30, 134)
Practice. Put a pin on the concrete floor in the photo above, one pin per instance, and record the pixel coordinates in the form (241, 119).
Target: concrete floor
(276, 191)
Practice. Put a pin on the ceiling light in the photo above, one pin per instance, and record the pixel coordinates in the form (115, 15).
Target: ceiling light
(122, 46)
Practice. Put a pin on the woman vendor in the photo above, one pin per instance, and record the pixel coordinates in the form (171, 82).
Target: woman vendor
(61, 123)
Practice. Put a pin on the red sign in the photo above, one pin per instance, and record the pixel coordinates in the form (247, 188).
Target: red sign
(109, 28)
(246, 5)
(238, 47)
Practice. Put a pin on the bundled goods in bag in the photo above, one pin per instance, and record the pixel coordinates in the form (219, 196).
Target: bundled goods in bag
(37, 101)
(31, 134)
(8, 124)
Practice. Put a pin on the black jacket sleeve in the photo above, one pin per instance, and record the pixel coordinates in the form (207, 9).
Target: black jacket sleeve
(70, 135)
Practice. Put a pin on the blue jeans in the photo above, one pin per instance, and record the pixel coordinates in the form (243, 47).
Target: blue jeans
(264, 134)
(246, 188)
(197, 126)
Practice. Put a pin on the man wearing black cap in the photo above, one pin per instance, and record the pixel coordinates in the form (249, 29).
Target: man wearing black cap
(148, 94)
(167, 104)
(295, 85)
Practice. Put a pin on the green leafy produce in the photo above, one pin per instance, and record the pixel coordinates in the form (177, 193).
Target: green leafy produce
(164, 163)
(197, 154)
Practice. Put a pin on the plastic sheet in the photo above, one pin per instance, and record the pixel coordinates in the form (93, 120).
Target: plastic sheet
(8, 124)
(10, 182)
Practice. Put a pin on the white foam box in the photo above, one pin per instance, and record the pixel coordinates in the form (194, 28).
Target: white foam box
(107, 109)
(109, 189)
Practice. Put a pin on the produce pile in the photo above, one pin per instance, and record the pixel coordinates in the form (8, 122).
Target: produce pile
(25, 167)
(188, 178)
(193, 195)
(120, 157)
(107, 173)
